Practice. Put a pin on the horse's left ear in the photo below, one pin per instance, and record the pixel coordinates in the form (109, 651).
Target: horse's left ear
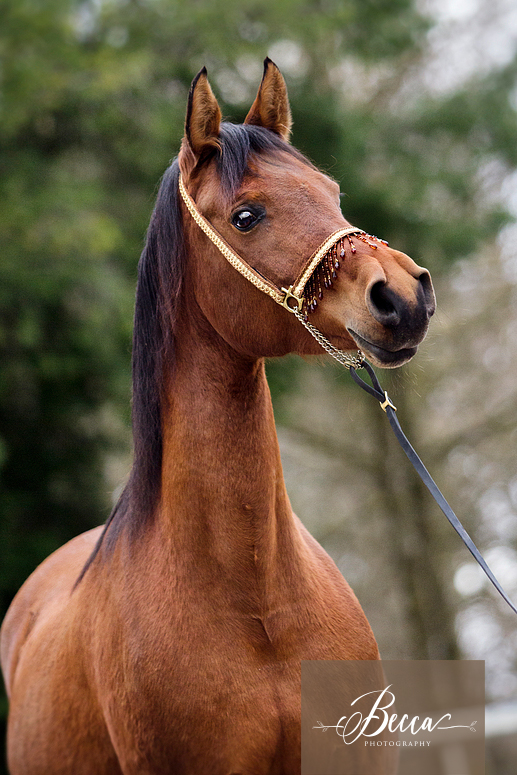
(203, 116)
(271, 107)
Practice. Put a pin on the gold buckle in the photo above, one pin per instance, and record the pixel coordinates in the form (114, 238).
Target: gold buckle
(288, 295)
(384, 404)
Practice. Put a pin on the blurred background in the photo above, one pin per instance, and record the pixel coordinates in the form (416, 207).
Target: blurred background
(412, 106)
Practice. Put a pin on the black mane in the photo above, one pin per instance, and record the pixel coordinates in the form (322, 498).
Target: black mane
(159, 286)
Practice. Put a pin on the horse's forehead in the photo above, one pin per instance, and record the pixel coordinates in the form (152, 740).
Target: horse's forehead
(274, 178)
(288, 175)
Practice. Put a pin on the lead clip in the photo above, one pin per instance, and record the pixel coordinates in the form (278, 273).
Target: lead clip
(387, 402)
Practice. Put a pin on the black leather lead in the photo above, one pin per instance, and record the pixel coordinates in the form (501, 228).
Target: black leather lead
(377, 392)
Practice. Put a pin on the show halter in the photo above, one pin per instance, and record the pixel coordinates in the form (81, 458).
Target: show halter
(294, 299)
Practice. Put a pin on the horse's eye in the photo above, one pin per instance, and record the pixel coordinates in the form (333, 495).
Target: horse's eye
(246, 218)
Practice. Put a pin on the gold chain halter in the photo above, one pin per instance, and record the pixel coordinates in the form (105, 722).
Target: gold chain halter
(291, 298)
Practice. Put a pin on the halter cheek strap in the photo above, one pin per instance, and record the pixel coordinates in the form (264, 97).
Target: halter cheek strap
(238, 263)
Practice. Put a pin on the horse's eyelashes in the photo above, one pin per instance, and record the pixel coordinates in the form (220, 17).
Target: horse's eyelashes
(245, 218)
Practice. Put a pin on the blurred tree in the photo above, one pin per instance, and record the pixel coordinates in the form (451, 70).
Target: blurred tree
(92, 101)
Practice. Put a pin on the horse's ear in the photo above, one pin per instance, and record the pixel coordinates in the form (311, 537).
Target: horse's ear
(271, 107)
(203, 116)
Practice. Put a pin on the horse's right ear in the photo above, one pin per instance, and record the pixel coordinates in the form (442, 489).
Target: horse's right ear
(271, 107)
(203, 117)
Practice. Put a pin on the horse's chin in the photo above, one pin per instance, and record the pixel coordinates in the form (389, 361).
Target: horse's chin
(380, 356)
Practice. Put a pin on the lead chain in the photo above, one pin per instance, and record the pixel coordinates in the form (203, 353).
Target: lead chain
(345, 359)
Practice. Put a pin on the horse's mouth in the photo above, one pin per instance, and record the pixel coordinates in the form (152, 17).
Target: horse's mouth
(386, 358)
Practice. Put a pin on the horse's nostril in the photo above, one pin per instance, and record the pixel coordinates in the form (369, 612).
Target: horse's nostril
(382, 304)
(379, 298)
(426, 286)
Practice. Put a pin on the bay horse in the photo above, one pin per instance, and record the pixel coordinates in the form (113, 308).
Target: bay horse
(170, 640)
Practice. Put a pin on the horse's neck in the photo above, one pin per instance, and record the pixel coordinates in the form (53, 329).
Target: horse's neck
(224, 502)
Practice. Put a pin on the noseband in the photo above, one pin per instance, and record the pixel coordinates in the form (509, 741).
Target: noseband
(300, 298)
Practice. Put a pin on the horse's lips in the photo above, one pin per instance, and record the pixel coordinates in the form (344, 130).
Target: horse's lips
(383, 356)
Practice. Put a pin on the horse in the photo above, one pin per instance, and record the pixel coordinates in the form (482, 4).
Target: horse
(170, 640)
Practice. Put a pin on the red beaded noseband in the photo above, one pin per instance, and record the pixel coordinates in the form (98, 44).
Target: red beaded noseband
(325, 272)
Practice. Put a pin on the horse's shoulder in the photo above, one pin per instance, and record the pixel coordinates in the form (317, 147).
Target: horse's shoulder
(46, 588)
(335, 597)
(316, 552)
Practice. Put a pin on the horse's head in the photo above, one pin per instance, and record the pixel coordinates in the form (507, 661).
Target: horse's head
(275, 209)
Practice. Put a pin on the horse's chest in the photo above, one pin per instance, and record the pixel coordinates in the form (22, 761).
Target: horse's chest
(213, 715)
(202, 689)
